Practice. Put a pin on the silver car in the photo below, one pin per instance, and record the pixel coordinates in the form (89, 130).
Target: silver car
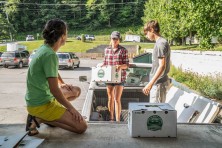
(29, 38)
(14, 58)
(68, 60)
(0, 59)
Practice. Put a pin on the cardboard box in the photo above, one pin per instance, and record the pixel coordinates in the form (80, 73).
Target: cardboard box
(106, 74)
(152, 120)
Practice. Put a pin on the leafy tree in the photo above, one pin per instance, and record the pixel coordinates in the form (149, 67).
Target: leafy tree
(4, 30)
(76, 13)
(83, 39)
(7, 9)
(183, 18)
(112, 13)
(137, 12)
(29, 16)
(208, 20)
(125, 14)
(99, 13)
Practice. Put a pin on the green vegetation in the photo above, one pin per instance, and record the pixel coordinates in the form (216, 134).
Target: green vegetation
(32, 45)
(103, 31)
(102, 34)
(83, 39)
(181, 18)
(196, 47)
(71, 45)
(178, 19)
(207, 85)
(2, 48)
(29, 16)
(79, 46)
(74, 45)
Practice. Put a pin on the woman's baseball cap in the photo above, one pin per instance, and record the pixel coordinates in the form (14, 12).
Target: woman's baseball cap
(115, 35)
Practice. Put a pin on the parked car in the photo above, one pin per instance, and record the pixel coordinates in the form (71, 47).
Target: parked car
(0, 59)
(68, 60)
(78, 37)
(14, 58)
(89, 37)
(24, 51)
(30, 38)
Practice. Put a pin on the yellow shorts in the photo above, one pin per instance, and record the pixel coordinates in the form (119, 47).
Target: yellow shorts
(48, 112)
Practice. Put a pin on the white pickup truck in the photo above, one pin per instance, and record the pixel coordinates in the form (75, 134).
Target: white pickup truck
(191, 108)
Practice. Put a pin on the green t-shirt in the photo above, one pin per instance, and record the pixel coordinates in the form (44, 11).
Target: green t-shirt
(43, 65)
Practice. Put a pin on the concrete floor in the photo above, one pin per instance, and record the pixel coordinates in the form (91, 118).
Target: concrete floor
(117, 136)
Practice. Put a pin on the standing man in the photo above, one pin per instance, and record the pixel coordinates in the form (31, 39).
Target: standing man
(159, 82)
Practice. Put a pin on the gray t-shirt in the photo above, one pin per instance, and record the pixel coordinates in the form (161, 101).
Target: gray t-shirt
(161, 49)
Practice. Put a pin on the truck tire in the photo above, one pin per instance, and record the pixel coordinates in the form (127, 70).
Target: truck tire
(73, 67)
(78, 65)
(5, 66)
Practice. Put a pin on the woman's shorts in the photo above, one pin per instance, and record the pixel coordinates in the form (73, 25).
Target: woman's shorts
(48, 112)
(115, 84)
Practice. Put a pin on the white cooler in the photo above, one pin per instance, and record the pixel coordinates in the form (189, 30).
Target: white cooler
(106, 74)
(152, 120)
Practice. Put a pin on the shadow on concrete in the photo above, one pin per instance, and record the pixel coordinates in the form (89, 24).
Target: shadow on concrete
(77, 69)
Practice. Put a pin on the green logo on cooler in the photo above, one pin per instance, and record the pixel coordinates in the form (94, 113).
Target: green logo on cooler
(116, 75)
(101, 73)
(154, 123)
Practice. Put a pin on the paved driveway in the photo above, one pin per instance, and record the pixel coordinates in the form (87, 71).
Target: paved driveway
(13, 87)
(205, 63)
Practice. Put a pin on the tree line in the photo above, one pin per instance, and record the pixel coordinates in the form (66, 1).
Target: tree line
(178, 18)
(31, 15)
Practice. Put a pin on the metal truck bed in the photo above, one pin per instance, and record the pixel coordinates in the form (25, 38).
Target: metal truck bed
(100, 102)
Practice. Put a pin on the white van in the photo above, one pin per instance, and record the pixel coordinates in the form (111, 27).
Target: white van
(132, 38)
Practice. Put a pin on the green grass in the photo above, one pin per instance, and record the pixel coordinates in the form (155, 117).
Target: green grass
(207, 85)
(2, 48)
(71, 45)
(108, 31)
(73, 33)
(195, 47)
(79, 46)
(74, 45)
(32, 45)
